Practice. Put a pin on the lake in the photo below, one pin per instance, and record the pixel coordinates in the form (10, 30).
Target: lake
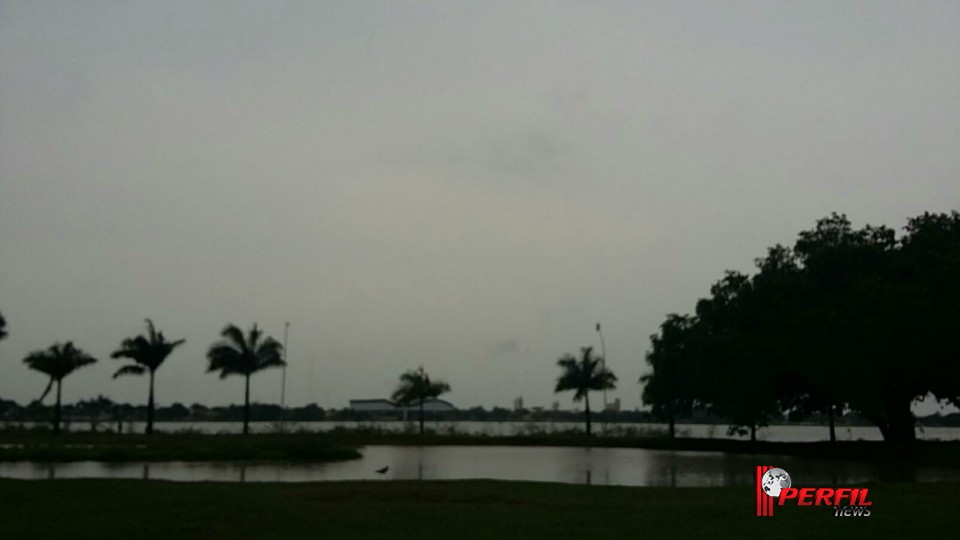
(600, 466)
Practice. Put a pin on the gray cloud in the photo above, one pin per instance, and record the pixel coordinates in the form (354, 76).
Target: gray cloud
(424, 183)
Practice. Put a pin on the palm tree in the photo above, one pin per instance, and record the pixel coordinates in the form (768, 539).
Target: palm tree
(148, 353)
(237, 354)
(57, 362)
(583, 376)
(416, 386)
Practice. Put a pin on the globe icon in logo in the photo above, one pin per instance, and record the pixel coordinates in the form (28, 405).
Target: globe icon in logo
(774, 480)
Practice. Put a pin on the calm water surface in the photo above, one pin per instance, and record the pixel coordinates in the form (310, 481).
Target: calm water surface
(601, 466)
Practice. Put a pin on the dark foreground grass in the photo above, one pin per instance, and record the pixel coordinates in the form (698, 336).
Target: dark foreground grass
(120, 509)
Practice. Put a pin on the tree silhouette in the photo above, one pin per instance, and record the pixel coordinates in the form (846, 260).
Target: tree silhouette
(3, 327)
(57, 362)
(236, 354)
(845, 319)
(582, 376)
(669, 388)
(148, 353)
(416, 387)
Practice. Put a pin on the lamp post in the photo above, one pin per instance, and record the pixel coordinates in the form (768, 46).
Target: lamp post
(283, 384)
(603, 365)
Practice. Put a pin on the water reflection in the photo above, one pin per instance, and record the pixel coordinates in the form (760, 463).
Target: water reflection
(598, 466)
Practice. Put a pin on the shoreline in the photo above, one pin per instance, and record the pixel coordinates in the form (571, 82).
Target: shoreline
(338, 445)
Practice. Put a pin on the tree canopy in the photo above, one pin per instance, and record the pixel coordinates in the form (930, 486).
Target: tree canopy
(237, 354)
(583, 375)
(57, 361)
(416, 387)
(845, 319)
(148, 353)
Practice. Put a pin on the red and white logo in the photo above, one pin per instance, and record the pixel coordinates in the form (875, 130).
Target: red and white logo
(774, 484)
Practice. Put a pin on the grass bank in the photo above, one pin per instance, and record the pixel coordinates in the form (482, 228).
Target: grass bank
(340, 444)
(120, 509)
(106, 447)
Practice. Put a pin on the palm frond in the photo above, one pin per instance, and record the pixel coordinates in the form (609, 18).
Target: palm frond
(45, 391)
(236, 354)
(224, 355)
(133, 369)
(584, 374)
(58, 360)
(149, 350)
(151, 331)
(253, 337)
(415, 386)
(234, 336)
(270, 362)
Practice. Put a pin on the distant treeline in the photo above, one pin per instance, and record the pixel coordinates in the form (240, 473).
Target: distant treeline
(102, 410)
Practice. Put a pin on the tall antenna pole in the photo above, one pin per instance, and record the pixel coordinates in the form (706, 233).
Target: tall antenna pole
(603, 364)
(283, 384)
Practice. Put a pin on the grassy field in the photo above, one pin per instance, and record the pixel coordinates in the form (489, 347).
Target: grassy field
(120, 509)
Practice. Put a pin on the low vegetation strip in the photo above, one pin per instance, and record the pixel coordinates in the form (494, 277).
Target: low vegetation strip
(342, 444)
(122, 509)
(180, 447)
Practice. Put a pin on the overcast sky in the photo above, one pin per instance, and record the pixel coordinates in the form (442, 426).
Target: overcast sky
(470, 186)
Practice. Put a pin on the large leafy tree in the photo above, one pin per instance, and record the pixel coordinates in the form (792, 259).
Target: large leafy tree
(244, 355)
(845, 319)
(670, 388)
(930, 261)
(582, 376)
(416, 387)
(148, 353)
(736, 356)
(57, 361)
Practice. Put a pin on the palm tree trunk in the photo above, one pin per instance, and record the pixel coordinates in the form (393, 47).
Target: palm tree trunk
(586, 411)
(246, 408)
(150, 407)
(833, 431)
(673, 426)
(56, 410)
(421, 417)
(753, 433)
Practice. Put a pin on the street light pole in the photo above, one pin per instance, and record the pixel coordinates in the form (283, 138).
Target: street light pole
(603, 365)
(283, 384)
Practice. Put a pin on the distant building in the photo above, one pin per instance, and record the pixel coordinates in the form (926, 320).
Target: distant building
(372, 405)
(518, 403)
(387, 406)
(614, 406)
